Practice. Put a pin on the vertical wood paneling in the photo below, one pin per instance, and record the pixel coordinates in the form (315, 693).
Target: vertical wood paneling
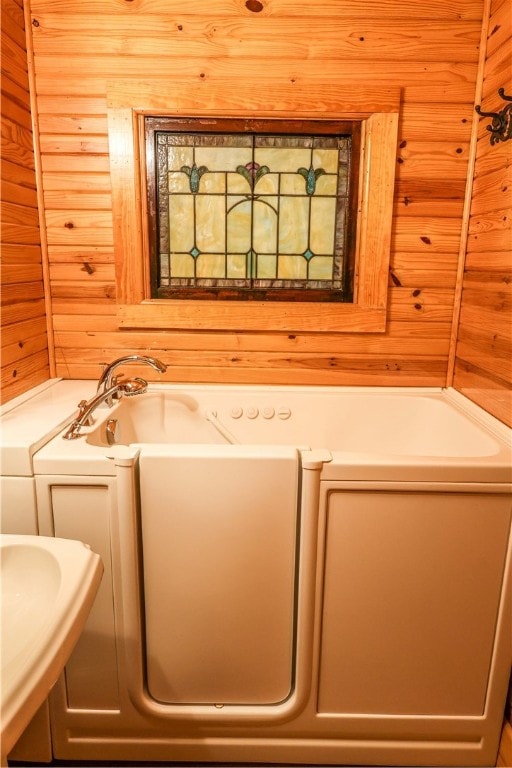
(24, 336)
(202, 54)
(483, 363)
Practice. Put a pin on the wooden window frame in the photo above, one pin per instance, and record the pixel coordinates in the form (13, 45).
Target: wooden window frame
(368, 310)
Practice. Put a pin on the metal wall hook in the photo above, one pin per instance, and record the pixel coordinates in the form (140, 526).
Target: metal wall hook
(501, 126)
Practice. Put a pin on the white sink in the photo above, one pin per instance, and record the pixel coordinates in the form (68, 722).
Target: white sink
(48, 586)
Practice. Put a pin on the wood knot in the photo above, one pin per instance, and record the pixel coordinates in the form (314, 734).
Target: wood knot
(254, 6)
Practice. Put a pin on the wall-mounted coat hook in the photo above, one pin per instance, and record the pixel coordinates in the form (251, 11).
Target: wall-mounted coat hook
(501, 126)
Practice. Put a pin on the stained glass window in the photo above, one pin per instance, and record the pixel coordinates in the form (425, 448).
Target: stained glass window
(251, 210)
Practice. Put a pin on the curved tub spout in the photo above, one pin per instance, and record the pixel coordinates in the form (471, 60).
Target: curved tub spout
(107, 379)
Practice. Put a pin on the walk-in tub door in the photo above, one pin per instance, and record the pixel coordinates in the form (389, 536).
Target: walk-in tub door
(219, 532)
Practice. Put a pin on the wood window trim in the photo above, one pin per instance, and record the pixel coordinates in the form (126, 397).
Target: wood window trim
(367, 312)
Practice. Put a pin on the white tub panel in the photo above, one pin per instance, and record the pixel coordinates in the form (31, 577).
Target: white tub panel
(83, 512)
(219, 528)
(18, 511)
(411, 597)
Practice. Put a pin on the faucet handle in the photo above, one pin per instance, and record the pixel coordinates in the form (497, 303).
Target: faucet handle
(119, 378)
(82, 407)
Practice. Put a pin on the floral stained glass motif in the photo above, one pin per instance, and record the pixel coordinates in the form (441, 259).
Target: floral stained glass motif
(246, 212)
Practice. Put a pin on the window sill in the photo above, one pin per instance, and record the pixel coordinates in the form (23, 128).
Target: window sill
(251, 316)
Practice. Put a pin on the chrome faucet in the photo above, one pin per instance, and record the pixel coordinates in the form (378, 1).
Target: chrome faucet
(86, 408)
(108, 380)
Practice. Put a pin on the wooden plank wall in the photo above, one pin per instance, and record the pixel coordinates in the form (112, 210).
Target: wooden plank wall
(24, 337)
(483, 369)
(283, 53)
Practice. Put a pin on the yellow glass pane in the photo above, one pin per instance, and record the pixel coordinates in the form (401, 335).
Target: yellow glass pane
(223, 158)
(292, 184)
(182, 265)
(264, 227)
(210, 223)
(326, 159)
(293, 225)
(239, 228)
(178, 182)
(236, 263)
(212, 183)
(292, 268)
(266, 267)
(326, 185)
(320, 268)
(237, 185)
(210, 265)
(323, 211)
(181, 223)
(267, 184)
(178, 156)
(283, 159)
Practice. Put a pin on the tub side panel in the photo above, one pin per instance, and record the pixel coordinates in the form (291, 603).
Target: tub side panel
(411, 599)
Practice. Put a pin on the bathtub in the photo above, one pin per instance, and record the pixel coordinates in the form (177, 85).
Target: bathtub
(375, 426)
(292, 575)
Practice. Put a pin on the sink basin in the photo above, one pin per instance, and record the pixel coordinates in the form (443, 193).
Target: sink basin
(48, 586)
